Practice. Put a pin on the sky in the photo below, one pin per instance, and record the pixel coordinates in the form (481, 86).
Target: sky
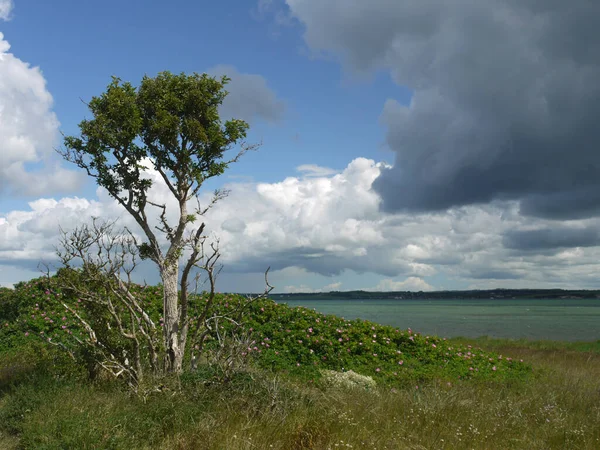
(406, 145)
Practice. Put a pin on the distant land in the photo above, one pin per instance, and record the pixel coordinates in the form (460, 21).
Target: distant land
(494, 294)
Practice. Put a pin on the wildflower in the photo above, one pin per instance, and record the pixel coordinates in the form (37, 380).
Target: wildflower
(434, 346)
(494, 368)
(27, 333)
(400, 362)
(377, 370)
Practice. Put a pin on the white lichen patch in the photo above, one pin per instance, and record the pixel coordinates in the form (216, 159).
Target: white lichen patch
(349, 379)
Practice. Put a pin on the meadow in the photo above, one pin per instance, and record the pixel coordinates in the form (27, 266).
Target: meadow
(430, 392)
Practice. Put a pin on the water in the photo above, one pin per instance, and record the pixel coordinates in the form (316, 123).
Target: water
(555, 319)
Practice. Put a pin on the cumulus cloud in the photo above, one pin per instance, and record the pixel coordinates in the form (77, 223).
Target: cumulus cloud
(28, 130)
(250, 98)
(505, 98)
(6, 7)
(322, 228)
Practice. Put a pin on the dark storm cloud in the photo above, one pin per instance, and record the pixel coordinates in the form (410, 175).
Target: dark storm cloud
(506, 97)
(551, 238)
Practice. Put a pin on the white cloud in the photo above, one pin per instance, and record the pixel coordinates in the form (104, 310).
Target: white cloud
(29, 131)
(313, 170)
(6, 7)
(410, 284)
(319, 227)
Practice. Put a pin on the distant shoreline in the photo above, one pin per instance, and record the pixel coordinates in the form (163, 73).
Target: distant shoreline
(493, 294)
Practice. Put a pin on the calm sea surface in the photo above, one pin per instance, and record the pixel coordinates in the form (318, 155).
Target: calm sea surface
(563, 320)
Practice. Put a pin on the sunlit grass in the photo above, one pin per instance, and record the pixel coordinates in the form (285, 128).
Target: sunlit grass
(558, 408)
(435, 399)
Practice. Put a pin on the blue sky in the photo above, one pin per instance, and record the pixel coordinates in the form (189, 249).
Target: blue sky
(431, 123)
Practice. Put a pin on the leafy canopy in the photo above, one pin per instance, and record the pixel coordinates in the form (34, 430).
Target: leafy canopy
(171, 119)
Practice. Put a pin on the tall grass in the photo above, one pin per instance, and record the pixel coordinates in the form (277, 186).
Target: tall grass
(558, 408)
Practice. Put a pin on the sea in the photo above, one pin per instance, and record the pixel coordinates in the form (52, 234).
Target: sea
(537, 319)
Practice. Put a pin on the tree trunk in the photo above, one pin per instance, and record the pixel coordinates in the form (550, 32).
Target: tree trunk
(174, 351)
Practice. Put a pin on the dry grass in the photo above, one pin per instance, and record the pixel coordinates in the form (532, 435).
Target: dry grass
(559, 408)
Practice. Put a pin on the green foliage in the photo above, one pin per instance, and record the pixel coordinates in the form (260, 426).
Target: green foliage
(302, 341)
(43, 321)
(172, 119)
(297, 341)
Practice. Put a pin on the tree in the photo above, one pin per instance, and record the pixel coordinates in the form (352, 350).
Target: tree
(171, 122)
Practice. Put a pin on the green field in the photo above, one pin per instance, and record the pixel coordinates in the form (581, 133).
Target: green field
(445, 394)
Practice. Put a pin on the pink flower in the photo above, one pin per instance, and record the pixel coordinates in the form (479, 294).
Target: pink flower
(494, 368)
(434, 346)
(27, 333)
(401, 362)
(377, 370)
(340, 339)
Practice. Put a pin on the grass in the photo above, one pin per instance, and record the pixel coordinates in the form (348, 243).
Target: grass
(551, 401)
(557, 408)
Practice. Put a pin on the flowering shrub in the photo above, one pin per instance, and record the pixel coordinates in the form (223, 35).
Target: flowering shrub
(297, 341)
(303, 342)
